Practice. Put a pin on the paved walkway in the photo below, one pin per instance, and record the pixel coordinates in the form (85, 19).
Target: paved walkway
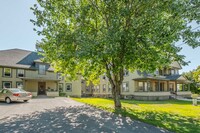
(63, 115)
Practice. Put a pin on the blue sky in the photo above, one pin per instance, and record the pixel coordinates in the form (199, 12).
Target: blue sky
(16, 30)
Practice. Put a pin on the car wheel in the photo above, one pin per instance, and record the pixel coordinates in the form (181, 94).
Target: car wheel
(25, 100)
(8, 100)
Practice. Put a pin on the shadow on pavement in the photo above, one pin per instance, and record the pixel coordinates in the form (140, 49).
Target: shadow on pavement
(77, 119)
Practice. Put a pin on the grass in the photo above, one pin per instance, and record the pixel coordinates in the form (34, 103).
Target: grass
(177, 116)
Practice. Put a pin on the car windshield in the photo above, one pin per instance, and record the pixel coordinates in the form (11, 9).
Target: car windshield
(17, 90)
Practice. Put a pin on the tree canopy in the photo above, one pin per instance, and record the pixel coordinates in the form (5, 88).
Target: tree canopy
(93, 37)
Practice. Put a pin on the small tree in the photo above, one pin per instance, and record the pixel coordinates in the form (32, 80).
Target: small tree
(193, 77)
(93, 37)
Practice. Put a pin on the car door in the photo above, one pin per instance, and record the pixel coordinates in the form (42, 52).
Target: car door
(1, 95)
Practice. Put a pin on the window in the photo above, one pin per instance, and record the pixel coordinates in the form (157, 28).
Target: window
(68, 87)
(59, 76)
(88, 89)
(96, 88)
(42, 69)
(7, 84)
(126, 72)
(172, 72)
(19, 85)
(125, 87)
(20, 73)
(140, 85)
(60, 87)
(7, 72)
(104, 77)
(171, 87)
(109, 87)
(104, 87)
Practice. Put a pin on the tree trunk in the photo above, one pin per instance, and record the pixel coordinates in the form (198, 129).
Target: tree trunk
(116, 96)
(115, 80)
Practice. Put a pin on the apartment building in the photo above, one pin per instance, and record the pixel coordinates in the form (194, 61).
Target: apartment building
(159, 85)
(24, 69)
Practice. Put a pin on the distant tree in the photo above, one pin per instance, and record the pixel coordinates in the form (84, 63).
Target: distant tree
(196, 74)
(192, 76)
(93, 37)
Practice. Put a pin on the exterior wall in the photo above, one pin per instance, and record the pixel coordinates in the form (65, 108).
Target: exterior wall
(31, 86)
(76, 87)
(152, 95)
(35, 74)
(12, 79)
(32, 77)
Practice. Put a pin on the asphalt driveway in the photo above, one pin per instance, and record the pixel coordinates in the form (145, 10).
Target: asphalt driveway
(63, 115)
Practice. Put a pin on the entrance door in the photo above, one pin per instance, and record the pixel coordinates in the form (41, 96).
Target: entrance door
(41, 88)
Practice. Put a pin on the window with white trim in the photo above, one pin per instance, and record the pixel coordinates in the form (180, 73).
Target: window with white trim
(7, 72)
(59, 76)
(42, 69)
(20, 72)
(87, 88)
(109, 87)
(60, 87)
(68, 87)
(125, 87)
(126, 73)
(104, 87)
(7, 84)
(19, 85)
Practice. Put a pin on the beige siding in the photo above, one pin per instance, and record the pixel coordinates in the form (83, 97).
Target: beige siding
(13, 79)
(34, 74)
(31, 86)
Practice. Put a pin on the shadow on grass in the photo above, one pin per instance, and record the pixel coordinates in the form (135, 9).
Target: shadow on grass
(168, 121)
(178, 102)
(77, 119)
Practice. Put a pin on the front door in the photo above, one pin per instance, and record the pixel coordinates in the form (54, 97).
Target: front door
(41, 88)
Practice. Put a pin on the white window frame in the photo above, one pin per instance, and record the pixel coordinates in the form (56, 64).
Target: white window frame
(104, 87)
(125, 87)
(19, 85)
(42, 69)
(68, 85)
(60, 89)
(20, 71)
(3, 84)
(126, 73)
(109, 88)
(172, 71)
(87, 89)
(4, 72)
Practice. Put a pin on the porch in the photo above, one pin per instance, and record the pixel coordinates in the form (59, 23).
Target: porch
(160, 88)
(41, 86)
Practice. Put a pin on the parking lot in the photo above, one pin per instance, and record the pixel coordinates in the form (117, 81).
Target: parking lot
(63, 115)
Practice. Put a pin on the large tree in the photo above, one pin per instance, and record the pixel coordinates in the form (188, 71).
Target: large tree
(95, 37)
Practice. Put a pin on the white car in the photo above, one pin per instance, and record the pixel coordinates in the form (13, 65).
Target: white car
(14, 94)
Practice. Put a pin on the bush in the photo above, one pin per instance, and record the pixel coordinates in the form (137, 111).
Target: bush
(62, 94)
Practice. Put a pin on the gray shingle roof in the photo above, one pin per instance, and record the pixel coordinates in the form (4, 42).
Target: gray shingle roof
(18, 58)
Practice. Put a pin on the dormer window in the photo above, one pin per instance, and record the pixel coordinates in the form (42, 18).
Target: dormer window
(126, 73)
(7, 72)
(172, 71)
(20, 72)
(42, 69)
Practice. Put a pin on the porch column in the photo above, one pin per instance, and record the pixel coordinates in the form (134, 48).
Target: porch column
(167, 85)
(176, 86)
(158, 85)
(143, 86)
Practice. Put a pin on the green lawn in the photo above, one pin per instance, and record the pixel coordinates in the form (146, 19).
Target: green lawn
(178, 116)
